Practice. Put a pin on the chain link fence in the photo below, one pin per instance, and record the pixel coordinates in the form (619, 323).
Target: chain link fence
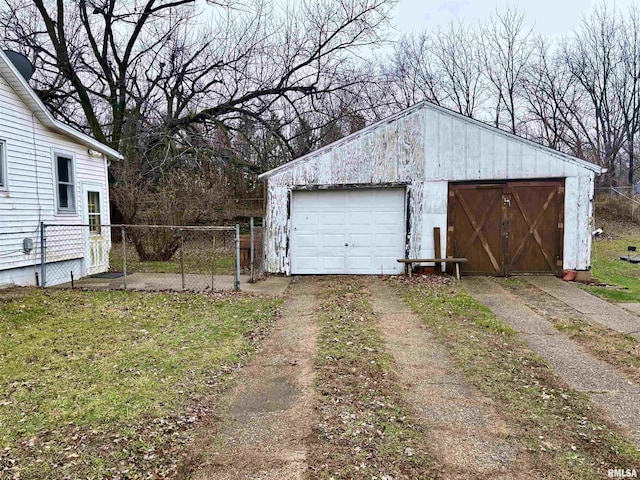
(150, 257)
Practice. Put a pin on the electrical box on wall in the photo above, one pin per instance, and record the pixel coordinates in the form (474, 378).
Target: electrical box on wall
(27, 245)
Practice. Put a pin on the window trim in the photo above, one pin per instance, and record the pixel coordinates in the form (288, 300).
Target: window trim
(98, 213)
(4, 171)
(65, 210)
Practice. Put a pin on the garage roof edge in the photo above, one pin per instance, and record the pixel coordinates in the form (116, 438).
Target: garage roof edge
(419, 106)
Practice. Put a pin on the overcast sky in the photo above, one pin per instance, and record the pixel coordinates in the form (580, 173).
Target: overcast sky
(553, 18)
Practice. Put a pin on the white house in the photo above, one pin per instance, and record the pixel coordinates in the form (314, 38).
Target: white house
(53, 174)
(426, 176)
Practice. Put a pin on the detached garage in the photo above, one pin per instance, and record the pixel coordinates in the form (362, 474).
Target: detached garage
(506, 204)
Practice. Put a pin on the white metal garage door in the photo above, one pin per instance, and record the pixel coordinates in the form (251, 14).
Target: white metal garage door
(347, 231)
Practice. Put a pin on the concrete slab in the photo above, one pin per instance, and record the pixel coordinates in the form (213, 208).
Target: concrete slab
(273, 285)
(606, 387)
(592, 307)
(632, 307)
(468, 436)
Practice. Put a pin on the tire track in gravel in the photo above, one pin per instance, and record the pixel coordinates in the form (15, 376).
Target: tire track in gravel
(468, 435)
(269, 413)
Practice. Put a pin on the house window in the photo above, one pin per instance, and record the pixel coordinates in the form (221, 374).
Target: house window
(3, 165)
(66, 183)
(93, 204)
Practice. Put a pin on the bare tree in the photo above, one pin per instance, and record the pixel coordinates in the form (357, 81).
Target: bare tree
(628, 84)
(507, 46)
(593, 56)
(410, 75)
(551, 100)
(459, 66)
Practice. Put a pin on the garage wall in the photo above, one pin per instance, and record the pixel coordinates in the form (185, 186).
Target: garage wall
(424, 148)
(458, 149)
(387, 153)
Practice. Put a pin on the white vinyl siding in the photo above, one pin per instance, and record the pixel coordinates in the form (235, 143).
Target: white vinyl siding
(3, 165)
(32, 195)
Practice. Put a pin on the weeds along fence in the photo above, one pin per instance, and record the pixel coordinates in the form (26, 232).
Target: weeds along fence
(149, 257)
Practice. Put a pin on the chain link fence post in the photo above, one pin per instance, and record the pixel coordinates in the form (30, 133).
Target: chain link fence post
(123, 236)
(252, 269)
(236, 284)
(43, 255)
(182, 257)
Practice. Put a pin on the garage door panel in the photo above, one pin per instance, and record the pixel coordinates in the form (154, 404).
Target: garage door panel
(333, 240)
(306, 219)
(359, 240)
(308, 240)
(475, 223)
(332, 218)
(361, 199)
(534, 215)
(387, 240)
(357, 231)
(389, 219)
(359, 264)
(359, 218)
(331, 264)
(307, 263)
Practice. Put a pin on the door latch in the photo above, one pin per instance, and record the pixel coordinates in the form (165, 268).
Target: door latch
(506, 201)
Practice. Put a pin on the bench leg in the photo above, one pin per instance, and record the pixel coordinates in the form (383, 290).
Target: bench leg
(458, 271)
(409, 271)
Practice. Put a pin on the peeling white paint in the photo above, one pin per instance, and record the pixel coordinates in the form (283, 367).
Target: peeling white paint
(425, 148)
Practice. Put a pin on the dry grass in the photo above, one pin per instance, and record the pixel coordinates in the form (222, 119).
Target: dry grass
(110, 384)
(563, 431)
(365, 431)
(619, 350)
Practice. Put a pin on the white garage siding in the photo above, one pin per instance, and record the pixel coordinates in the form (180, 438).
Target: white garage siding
(358, 231)
(423, 149)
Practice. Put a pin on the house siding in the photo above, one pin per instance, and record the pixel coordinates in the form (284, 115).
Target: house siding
(29, 196)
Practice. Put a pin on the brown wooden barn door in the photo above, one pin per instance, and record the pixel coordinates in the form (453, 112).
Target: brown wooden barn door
(475, 228)
(534, 212)
(507, 228)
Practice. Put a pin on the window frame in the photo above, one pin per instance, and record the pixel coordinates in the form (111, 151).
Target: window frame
(4, 184)
(72, 172)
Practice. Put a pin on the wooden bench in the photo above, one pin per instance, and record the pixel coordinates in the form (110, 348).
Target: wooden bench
(457, 261)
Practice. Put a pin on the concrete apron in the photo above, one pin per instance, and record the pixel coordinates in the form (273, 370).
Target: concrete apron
(619, 397)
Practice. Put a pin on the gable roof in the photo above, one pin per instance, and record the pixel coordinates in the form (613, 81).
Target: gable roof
(428, 105)
(10, 73)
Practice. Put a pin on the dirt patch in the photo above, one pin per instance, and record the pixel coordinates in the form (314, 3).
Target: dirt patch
(263, 423)
(467, 433)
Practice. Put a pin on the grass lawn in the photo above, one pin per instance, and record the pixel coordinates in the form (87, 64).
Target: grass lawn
(110, 384)
(623, 277)
(562, 430)
(199, 257)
